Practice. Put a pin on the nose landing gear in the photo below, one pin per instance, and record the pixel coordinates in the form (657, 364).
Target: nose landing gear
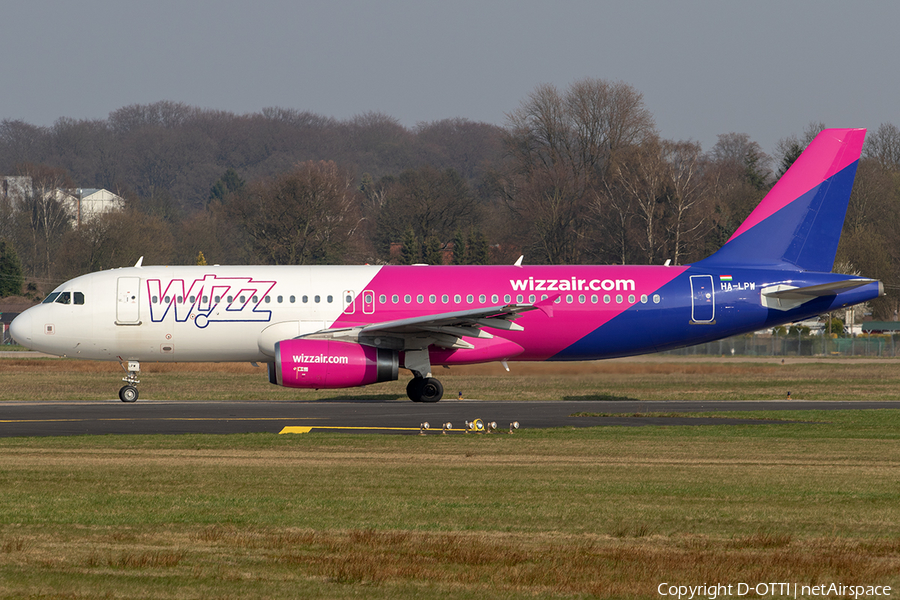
(129, 392)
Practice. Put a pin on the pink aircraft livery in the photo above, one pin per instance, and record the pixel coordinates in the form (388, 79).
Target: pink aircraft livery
(348, 326)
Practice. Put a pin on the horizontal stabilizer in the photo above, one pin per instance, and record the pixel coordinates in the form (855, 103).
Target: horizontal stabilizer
(785, 297)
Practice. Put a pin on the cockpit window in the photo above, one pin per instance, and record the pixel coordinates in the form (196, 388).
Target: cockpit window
(64, 298)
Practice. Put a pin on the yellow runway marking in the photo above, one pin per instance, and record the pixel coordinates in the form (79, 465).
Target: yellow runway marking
(308, 429)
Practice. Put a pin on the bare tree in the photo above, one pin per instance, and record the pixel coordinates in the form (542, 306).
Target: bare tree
(643, 176)
(561, 148)
(428, 201)
(884, 146)
(306, 216)
(687, 218)
(44, 214)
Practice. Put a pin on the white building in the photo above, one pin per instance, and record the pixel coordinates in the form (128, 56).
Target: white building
(14, 188)
(89, 203)
(82, 204)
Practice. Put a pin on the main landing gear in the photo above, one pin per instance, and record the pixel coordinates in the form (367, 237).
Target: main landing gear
(424, 389)
(129, 392)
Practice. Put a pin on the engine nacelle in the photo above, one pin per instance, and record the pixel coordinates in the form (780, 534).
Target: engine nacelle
(329, 364)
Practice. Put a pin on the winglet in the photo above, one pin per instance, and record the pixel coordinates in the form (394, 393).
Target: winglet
(546, 305)
(139, 262)
(518, 262)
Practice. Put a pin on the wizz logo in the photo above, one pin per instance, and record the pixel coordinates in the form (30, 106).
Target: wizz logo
(208, 300)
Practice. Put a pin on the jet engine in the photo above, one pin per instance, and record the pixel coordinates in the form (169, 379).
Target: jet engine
(318, 364)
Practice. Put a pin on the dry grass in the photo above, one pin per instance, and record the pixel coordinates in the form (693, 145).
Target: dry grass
(380, 563)
(640, 379)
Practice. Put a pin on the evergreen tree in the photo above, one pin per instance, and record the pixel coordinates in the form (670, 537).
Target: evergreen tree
(409, 251)
(431, 251)
(478, 252)
(228, 183)
(459, 249)
(11, 278)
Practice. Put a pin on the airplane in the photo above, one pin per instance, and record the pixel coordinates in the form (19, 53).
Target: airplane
(348, 326)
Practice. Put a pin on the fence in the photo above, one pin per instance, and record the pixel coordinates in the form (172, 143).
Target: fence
(796, 345)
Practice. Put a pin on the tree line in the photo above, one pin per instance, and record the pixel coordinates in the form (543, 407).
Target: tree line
(576, 175)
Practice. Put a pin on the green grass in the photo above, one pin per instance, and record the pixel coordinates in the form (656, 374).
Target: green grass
(609, 512)
(597, 512)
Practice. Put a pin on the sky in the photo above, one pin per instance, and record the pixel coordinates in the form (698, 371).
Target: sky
(765, 68)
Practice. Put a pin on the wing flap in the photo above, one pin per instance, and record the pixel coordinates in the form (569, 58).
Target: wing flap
(445, 330)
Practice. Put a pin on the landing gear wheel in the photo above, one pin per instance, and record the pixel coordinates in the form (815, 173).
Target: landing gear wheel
(128, 393)
(431, 390)
(424, 389)
(414, 388)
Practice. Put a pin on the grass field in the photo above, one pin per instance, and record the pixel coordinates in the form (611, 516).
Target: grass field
(26, 379)
(600, 512)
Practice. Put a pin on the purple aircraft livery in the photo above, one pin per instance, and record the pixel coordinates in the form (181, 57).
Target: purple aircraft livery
(349, 326)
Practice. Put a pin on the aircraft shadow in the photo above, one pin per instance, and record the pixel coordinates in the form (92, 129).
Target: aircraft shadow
(361, 399)
(600, 398)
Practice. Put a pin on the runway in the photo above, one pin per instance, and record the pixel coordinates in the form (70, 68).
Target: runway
(171, 418)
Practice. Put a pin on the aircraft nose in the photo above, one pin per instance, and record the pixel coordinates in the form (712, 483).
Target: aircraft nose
(20, 328)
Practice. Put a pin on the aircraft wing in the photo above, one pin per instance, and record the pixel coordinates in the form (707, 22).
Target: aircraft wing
(442, 329)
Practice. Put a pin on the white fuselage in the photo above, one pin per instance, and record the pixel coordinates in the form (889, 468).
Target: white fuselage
(186, 314)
